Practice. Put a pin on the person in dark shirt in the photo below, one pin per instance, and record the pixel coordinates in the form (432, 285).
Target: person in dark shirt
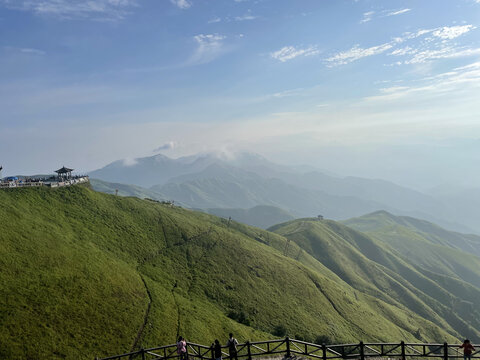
(467, 349)
(232, 347)
(218, 350)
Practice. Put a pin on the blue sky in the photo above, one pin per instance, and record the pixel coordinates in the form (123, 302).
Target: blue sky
(84, 83)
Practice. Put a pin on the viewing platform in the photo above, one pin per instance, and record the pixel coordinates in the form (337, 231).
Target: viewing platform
(63, 178)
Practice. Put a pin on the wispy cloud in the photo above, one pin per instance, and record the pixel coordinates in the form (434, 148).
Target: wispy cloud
(182, 4)
(367, 16)
(214, 20)
(290, 52)
(167, 146)
(245, 17)
(209, 47)
(74, 9)
(403, 51)
(397, 12)
(356, 53)
(448, 52)
(434, 46)
(460, 78)
(32, 51)
(287, 93)
(452, 32)
(29, 51)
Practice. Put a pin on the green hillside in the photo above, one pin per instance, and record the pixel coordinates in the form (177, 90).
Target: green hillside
(87, 274)
(448, 257)
(262, 216)
(375, 268)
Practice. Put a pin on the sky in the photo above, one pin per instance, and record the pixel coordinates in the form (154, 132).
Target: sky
(374, 88)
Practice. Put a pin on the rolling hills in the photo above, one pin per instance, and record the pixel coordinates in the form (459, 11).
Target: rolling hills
(376, 267)
(87, 274)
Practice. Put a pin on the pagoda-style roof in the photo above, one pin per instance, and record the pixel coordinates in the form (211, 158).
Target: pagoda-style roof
(64, 170)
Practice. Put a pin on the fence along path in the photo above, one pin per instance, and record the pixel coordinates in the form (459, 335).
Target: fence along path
(290, 347)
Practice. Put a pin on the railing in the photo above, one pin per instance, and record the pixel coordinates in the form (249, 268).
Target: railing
(290, 347)
(49, 183)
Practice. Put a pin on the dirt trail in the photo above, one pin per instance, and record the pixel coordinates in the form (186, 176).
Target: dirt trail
(145, 318)
(147, 312)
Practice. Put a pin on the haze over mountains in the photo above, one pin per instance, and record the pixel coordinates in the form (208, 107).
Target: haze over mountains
(246, 180)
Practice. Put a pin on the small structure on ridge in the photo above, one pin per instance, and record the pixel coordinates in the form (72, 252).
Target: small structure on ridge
(64, 173)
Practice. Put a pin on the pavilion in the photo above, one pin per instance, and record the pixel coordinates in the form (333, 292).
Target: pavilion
(64, 172)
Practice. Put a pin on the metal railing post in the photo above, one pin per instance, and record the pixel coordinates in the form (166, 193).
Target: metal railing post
(362, 351)
(403, 349)
(324, 351)
(249, 352)
(445, 351)
(287, 341)
(143, 354)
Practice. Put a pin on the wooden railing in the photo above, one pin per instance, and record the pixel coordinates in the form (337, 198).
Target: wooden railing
(290, 347)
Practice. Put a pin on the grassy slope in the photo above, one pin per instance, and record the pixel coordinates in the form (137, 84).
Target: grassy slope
(74, 263)
(369, 266)
(431, 247)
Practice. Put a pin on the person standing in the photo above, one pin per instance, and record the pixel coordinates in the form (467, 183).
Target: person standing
(232, 347)
(217, 350)
(467, 349)
(182, 348)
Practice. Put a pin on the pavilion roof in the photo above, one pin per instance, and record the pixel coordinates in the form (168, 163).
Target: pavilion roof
(63, 170)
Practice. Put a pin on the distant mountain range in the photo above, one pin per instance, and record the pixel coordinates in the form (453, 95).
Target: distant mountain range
(247, 180)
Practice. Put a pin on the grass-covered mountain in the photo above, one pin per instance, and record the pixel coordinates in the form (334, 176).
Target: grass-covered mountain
(87, 274)
(375, 266)
(261, 216)
(245, 180)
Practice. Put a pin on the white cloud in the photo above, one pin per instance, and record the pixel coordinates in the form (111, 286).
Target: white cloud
(357, 53)
(167, 146)
(209, 46)
(182, 4)
(290, 52)
(367, 17)
(32, 51)
(29, 51)
(431, 48)
(452, 32)
(443, 53)
(398, 12)
(245, 17)
(74, 9)
(214, 20)
(286, 93)
(403, 51)
(459, 79)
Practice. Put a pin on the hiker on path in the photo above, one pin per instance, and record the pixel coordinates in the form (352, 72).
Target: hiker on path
(467, 349)
(232, 347)
(217, 350)
(182, 348)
